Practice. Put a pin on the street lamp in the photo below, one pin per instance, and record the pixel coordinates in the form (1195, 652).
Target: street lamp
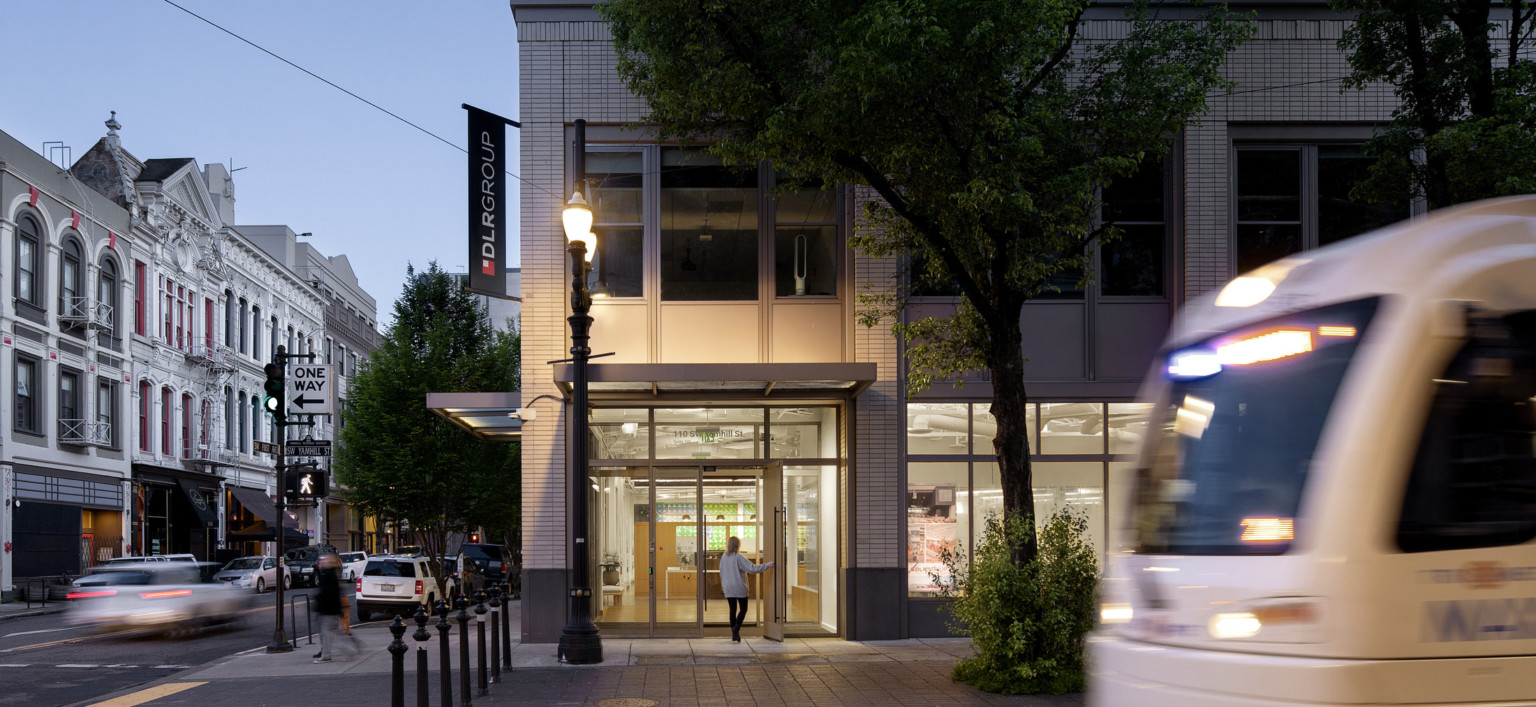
(579, 641)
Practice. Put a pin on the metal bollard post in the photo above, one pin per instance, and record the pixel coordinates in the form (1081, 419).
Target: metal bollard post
(506, 626)
(421, 636)
(495, 592)
(463, 619)
(484, 687)
(445, 653)
(397, 651)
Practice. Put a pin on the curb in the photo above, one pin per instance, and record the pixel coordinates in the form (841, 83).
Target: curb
(33, 612)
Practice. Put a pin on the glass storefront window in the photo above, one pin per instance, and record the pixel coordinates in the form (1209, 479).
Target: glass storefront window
(985, 429)
(709, 433)
(1127, 426)
(1122, 480)
(620, 434)
(1072, 428)
(708, 229)
(937, 428)
(988, 495)
(938, 521)
(805, 260)
(1075, 485)
(616, 196)
(803, 433)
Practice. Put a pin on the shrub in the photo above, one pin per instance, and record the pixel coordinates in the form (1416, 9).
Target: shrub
(1028, 622)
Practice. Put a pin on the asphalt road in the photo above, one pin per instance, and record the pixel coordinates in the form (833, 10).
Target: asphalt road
(44, 661)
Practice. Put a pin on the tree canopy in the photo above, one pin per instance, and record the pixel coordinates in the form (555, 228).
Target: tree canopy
(986, 127)
(402, 462)
(1465, 79)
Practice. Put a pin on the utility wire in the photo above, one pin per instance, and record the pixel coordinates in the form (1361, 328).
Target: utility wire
(333, 84)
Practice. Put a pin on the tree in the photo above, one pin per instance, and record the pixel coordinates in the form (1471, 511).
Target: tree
(402, 462)
(1465, 126)
(986, 127)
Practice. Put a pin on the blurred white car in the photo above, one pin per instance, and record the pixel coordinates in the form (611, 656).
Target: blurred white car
(258, 573)
(352, 564)
(151, 595)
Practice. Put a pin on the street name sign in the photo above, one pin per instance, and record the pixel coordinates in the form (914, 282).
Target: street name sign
(312, 389)
(264, 447)
(309, 447)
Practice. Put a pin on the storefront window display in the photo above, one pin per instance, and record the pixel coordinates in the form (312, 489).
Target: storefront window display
(938, 522)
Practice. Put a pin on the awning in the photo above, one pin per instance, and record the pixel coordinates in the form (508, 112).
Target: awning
(718, 382)
(483, 414)
(258, 504)
(260, 531)
(209, 515)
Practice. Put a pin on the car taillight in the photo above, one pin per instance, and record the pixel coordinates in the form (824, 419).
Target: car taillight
(166, 594)
(88, 595)
(503, 568)
(359, 585)
(418, 586)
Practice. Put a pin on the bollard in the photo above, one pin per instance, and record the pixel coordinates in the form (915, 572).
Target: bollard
(421, 636)
(463, 619)
(445, 653)
(506, 626)
(495, 634)
(397, 651)
(483, 686)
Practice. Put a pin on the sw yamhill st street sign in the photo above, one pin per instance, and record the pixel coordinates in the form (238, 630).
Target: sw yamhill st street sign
(309, 447)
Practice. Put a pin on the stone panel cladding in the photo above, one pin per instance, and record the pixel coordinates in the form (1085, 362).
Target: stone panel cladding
(567, 72)
(877, 499)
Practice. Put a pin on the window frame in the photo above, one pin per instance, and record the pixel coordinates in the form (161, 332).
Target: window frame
(26, 409)
(68, 404)
(71, 263)
(167, 409)
(107, 283)
(145, 406)
(106, 410)
(29, 230)
(141, 272)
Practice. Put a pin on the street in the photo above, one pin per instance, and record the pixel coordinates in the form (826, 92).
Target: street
(43, 661)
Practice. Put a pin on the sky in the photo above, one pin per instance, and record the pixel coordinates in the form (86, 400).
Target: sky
(308, 155)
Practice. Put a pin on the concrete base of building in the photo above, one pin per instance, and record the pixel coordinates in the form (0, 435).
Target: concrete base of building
(544, 604)
(927, 619)
(874, 602)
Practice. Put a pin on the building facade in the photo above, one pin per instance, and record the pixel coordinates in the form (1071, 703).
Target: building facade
(738, 363)
(139, 321)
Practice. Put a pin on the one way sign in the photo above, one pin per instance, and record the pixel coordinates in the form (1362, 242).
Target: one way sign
(311, 389)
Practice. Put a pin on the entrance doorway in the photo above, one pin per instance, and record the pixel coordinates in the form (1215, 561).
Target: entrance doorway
(661, 532)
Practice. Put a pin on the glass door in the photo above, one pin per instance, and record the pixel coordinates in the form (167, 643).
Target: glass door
(774, 593)
(621, 520)
(732, 497)
(677, 552)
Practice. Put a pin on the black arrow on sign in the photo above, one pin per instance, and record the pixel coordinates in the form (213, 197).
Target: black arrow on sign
(302, 401)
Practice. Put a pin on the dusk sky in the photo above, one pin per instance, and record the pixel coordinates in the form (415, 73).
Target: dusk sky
(309, 156)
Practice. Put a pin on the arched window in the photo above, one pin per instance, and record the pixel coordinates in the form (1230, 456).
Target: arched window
(71, 304)
(255, 416)
(29, 282)
(144, 405)
(186, 426)
(255, 332)
(106, 296)
(229, 418)
(242, 435)
(167, 408)
(229, 319)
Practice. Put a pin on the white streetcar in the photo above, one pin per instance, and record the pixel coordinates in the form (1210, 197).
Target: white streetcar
(1335, 503)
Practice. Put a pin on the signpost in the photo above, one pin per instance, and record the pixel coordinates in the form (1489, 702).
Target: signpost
(312, 390)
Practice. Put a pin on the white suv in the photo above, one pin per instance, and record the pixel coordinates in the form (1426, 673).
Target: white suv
(396, 585)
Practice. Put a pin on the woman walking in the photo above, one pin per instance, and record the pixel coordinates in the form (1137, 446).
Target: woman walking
(733, 579)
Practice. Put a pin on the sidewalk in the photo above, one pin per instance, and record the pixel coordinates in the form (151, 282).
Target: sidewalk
(20, 610)
(707, 672)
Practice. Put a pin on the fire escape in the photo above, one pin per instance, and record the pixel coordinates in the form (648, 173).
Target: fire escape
(96, 319)
(213, 367)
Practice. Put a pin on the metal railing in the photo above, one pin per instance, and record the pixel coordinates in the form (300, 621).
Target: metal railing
(309, 627)
(83, 311)
(90, 432)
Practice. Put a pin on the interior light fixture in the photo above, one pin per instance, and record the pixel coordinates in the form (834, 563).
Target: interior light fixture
(1268, 530)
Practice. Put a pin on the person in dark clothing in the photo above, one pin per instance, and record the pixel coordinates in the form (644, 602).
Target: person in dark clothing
(329, 606)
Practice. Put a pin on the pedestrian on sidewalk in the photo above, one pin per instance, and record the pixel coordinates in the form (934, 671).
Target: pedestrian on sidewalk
(328, 604)
(733, 579)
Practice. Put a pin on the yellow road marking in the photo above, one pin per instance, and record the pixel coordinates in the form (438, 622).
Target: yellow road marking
(148, 694)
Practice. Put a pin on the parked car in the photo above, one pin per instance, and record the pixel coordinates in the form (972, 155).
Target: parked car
(479, 563)
(257, 573)
(396, 585)
(136, 559)
(165, 596)
(352, 564)
(301, 562)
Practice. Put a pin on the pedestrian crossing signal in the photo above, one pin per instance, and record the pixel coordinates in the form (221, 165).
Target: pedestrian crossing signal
(310, 483)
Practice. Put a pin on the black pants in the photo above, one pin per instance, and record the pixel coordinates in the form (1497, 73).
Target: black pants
(737, 607)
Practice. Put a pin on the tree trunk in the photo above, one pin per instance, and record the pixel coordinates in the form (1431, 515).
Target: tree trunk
(1010, 408)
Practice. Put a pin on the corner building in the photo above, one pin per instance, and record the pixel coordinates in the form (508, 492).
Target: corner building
(737, 359)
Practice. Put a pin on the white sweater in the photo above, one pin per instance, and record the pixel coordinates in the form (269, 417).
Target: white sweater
(734, 569)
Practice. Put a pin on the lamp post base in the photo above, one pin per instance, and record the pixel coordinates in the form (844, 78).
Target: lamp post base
(279, 643)
(581, 645)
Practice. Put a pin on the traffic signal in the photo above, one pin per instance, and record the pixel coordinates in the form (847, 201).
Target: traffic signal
(474, 537)
(274, 387)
